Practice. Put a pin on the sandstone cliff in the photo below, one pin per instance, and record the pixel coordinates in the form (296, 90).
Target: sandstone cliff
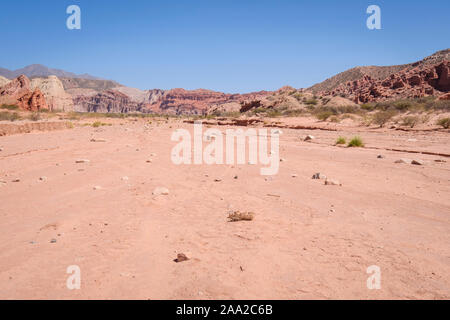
(55, 95)
(20, 93)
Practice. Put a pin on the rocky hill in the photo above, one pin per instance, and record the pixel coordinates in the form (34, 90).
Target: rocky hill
(377, 73)
(19, 92)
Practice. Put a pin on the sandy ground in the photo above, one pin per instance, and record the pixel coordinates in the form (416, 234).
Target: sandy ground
(308, 240)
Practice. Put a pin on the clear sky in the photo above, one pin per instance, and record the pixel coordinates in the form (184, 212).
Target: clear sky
(224, 45)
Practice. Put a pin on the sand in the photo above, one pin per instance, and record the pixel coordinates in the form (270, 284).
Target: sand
(307, 240)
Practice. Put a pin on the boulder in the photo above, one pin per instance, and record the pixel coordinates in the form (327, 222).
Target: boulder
(20, 93)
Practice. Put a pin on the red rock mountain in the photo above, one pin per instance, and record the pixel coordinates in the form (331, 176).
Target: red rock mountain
(413, 83)
(18, 92)
(365, 84)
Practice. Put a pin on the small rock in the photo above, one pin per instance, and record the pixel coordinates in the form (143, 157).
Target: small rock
(309, 138)
(53, 241)
(16, 180)
(43, 178)
(380, 156)
(98, 140)
(160, 191)
(236, 177)
(1, 149)
(82, 161)
(277, 132)
(440, 161)
(149, 161)
(404, 161)
(330, 182)
(319, 176)
(97, 188)
(418, 162)
(181, 257)
(152, 154)
(282, 160)
(294, 175)
(241, 216)
(217, 180)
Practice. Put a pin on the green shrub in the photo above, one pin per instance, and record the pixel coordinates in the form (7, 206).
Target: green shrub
(8, 116)
(9, 107)
(410, 121)
(356, 142)
(382, 117)
(323, 116)
(35, 116)
(444, 122)
(311, 102)
(341, 140)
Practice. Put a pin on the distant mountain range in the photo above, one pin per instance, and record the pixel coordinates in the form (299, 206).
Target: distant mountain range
(38, 70)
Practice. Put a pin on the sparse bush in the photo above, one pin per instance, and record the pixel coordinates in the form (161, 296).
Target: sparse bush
(311, 102)
(35, 116)
(341, 140)
(9, 107)
(323, 116)
(382, 117)
(69, 125)
(8, 116)
(410, 121)
(356, 142)
(97, 124)
(444, 122)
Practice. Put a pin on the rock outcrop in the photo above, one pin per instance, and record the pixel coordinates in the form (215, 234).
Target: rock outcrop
(19, 92)
(55, 95)
(3, 81)
(109, 101)
(413, 83)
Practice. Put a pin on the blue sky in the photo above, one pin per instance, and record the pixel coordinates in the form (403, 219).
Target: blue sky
(224, 45)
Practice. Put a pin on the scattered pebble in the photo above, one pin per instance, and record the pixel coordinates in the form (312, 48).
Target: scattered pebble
(282, 160)
(241, 216)
(380, 156)
(82, 161)
(418, 162)
(309, 138)
(181, 257)
(149, 161)
(404, 160)
(236, 177)
(294, 175)
(16, 180)
(97, 188)
(98, 140)
(319, 176)
(160, 191)
(43, 178)
(217, 180)
(53, 241)
(330, 182)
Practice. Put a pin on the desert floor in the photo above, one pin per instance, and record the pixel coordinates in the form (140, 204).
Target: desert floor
(307, 241)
